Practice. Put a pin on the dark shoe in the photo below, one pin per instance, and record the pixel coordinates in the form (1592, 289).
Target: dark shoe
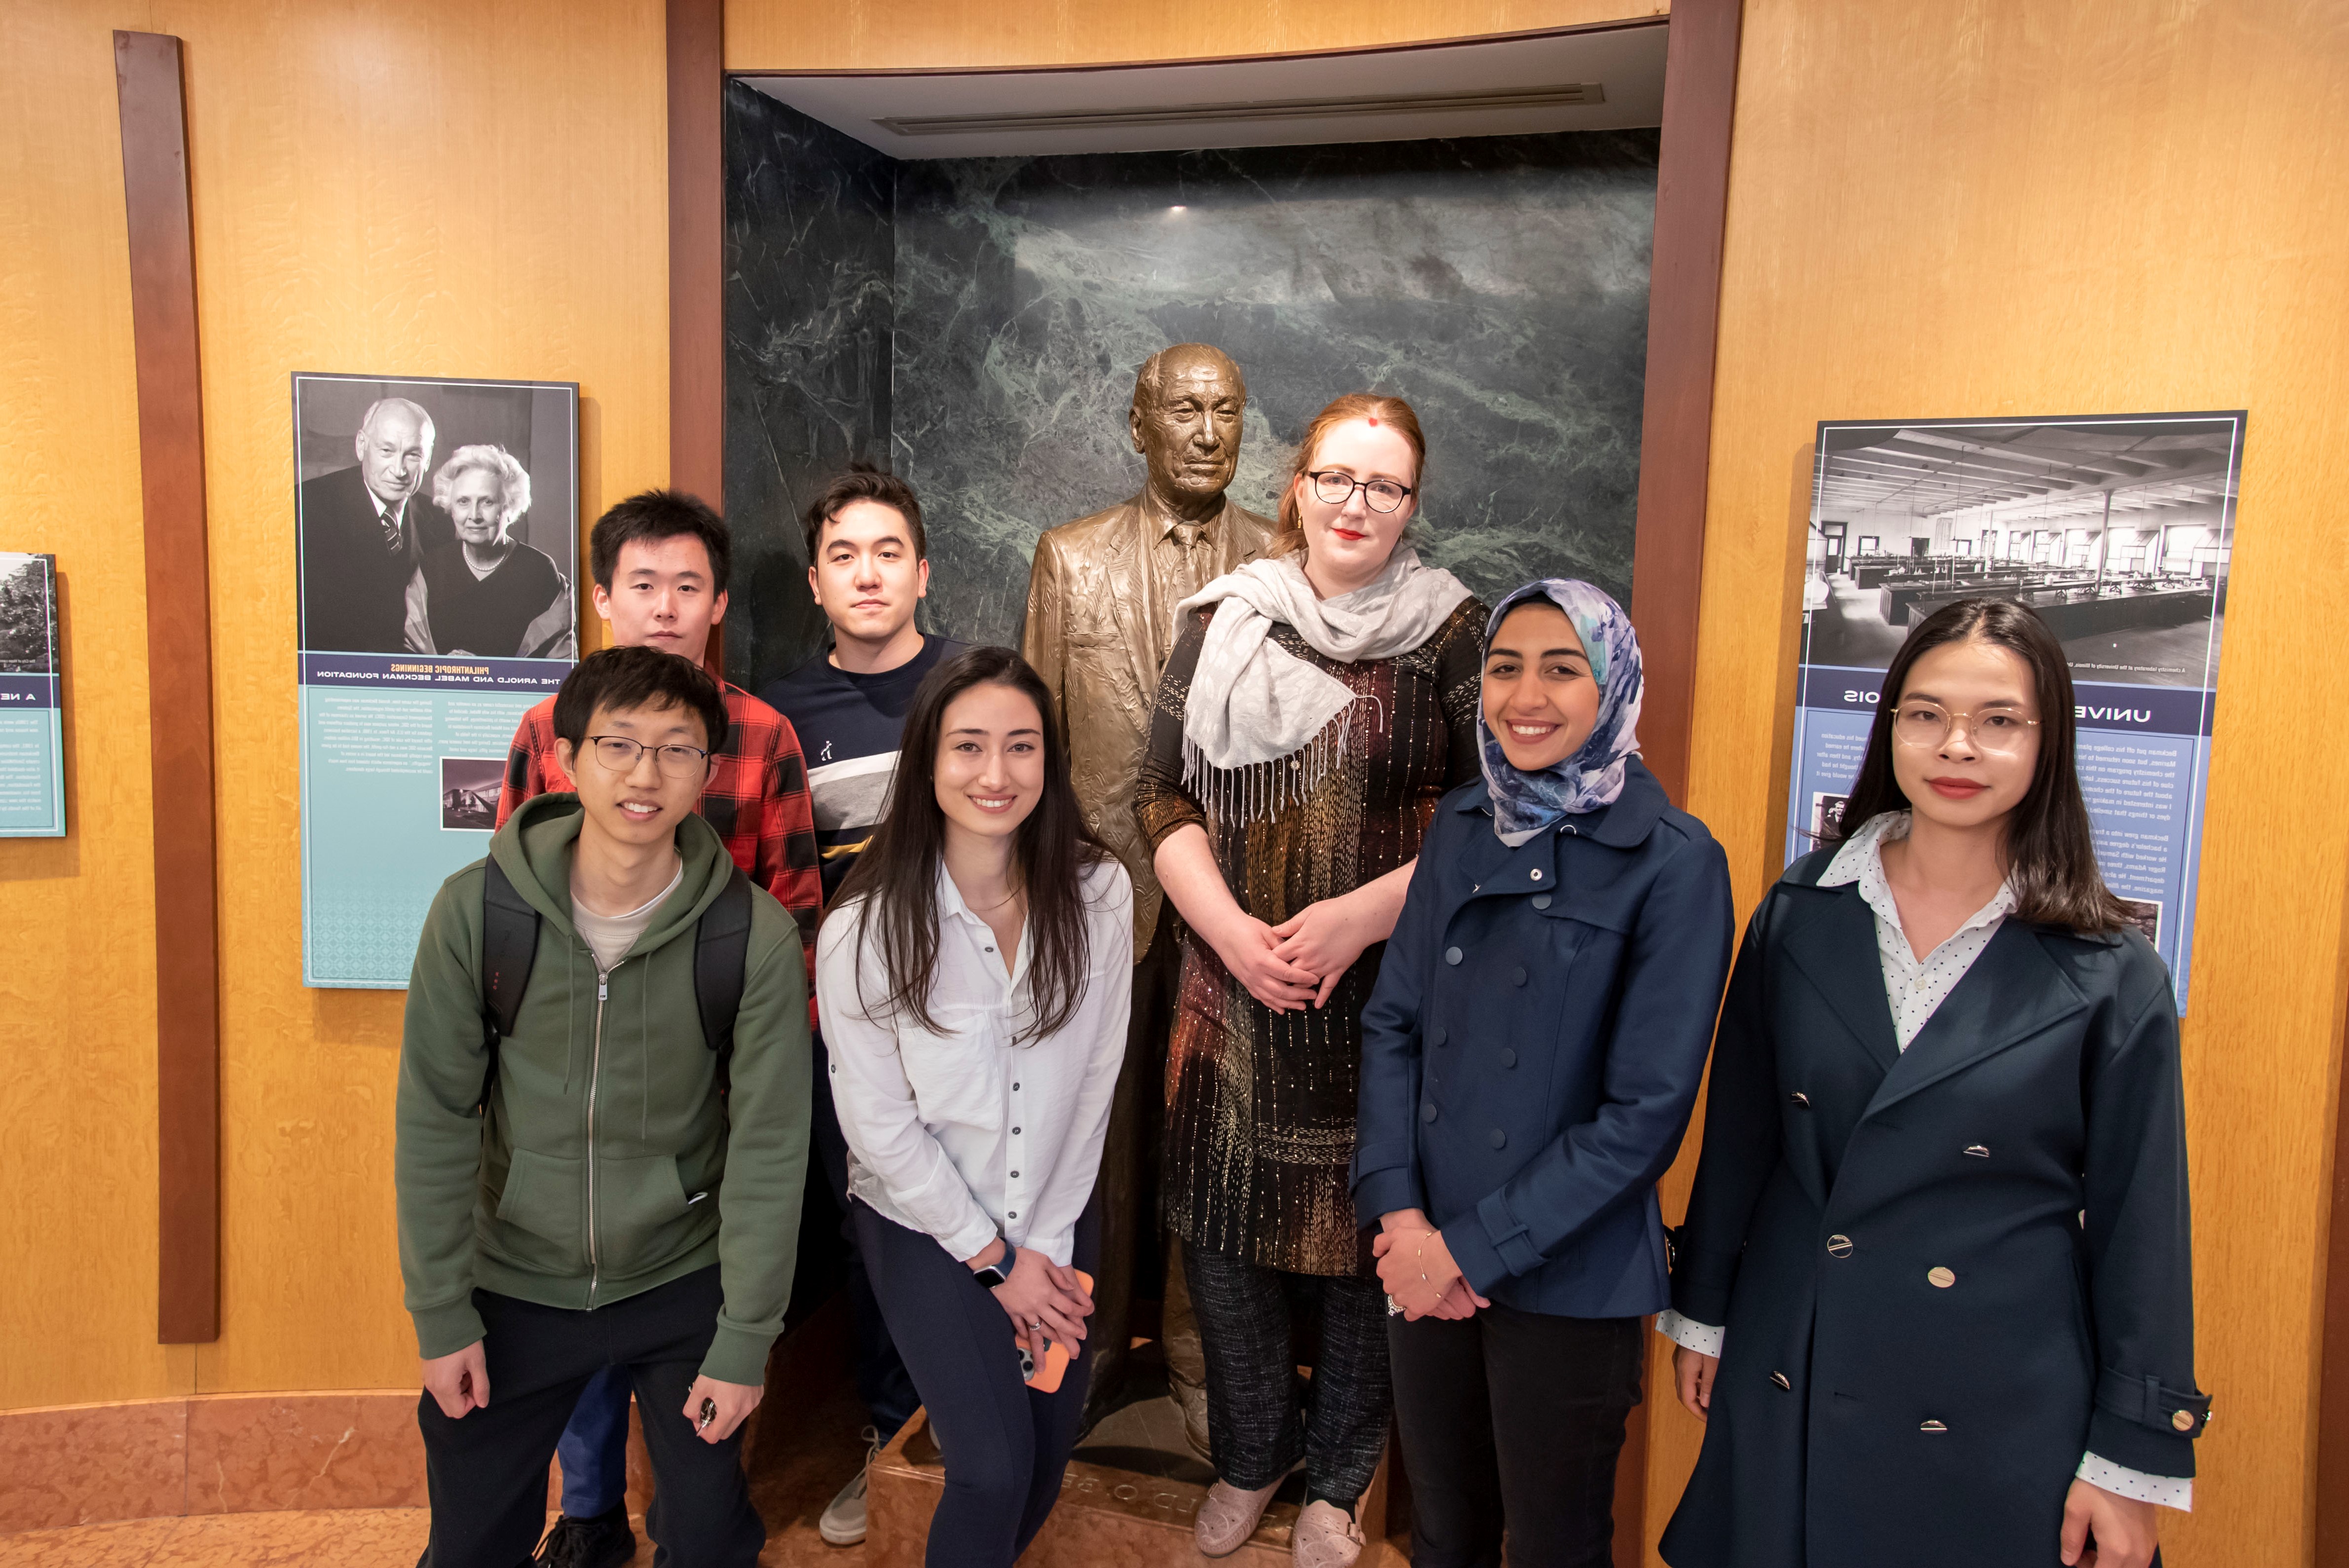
(603, 1541)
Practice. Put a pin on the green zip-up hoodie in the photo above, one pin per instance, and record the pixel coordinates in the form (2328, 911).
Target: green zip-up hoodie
(608, 1163)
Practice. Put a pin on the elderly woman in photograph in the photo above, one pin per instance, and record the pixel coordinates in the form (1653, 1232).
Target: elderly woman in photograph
(492, 597)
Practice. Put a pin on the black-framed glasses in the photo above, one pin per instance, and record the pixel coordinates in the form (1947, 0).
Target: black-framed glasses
(619, 753)
(1336, 489)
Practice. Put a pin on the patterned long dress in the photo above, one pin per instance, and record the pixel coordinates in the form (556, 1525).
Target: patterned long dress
(1259, 1105)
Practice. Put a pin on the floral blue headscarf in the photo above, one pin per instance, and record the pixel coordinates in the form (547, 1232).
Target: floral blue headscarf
(1526, 803)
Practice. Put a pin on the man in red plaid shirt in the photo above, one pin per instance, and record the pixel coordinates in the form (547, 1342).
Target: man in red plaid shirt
(659, 561)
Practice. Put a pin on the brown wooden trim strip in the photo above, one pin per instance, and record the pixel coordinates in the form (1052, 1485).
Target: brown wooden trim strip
(179, 684)
(697, 261)
(1675, 449)
(1676, 425)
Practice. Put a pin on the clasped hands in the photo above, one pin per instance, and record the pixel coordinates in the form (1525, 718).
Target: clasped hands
(1417, 1270)
(1044, 1301)
(1298, 962)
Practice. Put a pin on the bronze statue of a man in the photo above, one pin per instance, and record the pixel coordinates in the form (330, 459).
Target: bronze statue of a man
(1101, 622)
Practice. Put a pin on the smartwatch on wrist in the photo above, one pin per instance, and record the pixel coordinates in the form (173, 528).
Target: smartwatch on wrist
(995, 1273)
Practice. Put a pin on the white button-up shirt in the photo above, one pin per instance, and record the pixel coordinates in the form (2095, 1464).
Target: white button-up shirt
(958, 1132)
(1915, 987)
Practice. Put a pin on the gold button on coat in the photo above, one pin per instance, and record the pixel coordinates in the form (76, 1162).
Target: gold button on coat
(1943, 1278)
(1780, 1379)
(1932, 1427)
(1838, 1246)
(2183, 1421)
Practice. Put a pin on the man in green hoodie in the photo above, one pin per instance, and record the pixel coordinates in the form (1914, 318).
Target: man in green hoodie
(591, 1194)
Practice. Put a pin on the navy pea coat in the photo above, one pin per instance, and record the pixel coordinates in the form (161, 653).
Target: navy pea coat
(1534, 1045)
(1945, 1274)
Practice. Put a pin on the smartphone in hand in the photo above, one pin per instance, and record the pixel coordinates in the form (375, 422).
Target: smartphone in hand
(1046, 1379)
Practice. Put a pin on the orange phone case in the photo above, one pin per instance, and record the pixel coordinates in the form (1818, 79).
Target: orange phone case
(1046, 1379)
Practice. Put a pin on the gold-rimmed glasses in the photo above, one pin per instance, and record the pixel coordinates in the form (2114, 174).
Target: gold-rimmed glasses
(1999, 730)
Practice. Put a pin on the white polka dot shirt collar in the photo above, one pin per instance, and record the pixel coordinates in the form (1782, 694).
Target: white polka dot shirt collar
(1915, 987)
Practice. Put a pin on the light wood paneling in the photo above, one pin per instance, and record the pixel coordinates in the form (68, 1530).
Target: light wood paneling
(78, 1230)
(2010, 208)
(909, 35)
(431, 188)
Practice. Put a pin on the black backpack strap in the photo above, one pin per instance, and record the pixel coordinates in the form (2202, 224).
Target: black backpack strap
(509, 948)
(722, 950)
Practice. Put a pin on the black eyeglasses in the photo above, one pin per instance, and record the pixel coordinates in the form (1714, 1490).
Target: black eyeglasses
(619, 753)
(1336, 489)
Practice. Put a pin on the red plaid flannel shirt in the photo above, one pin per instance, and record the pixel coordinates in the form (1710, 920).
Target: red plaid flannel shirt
(757, 799)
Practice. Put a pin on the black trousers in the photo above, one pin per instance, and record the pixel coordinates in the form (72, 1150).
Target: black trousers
(1513, 1418)
(1257, 1424)
(1006, 1446)
(486, 1471)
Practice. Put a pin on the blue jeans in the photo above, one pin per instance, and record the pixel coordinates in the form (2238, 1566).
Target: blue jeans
(594, 1446)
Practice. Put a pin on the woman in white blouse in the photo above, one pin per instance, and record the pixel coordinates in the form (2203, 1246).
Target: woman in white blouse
(974, 975)
(1934, 1298)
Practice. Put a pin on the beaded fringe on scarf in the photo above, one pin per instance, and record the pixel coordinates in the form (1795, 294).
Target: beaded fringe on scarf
(1243, 795)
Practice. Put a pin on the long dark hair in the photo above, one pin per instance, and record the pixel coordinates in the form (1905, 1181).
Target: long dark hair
(898, 874)
(2050, 860)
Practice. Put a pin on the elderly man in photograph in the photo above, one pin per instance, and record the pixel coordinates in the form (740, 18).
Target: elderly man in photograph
(1101, 622)
(365, 530)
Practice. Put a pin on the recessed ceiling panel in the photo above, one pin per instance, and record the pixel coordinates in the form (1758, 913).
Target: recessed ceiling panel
(1608, 80)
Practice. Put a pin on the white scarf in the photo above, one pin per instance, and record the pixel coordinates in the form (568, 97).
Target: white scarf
(1254, 705)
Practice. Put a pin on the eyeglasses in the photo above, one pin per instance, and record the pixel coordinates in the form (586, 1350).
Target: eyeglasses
(1928, 725)
(619, 753)
(1336, 489)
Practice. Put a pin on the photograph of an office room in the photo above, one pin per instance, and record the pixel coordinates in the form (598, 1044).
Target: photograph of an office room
(2117, 531)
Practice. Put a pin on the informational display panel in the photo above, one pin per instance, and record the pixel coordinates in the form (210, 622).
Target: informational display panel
(32, 710)
(437, 527)
(2119, 530)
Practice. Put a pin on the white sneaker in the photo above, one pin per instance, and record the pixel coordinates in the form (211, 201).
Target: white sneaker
(842, 1523)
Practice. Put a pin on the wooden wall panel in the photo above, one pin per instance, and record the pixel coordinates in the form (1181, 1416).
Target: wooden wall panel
(906, 35)
(431, 188)
(2010, 208)
(77, 1099)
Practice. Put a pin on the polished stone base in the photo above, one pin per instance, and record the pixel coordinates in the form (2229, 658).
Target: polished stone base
(1107, 1516)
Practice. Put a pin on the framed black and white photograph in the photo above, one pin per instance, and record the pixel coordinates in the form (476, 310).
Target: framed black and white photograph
(436, 517)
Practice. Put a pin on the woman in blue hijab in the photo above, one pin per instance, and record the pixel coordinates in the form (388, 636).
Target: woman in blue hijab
(1530, 1057)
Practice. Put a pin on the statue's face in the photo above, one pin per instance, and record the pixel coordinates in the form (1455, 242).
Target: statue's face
(1190, 431)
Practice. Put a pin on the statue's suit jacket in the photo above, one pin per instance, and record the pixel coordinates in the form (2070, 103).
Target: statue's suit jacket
(1099, 630)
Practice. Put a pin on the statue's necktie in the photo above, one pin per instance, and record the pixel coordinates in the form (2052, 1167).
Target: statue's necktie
(1190, 535)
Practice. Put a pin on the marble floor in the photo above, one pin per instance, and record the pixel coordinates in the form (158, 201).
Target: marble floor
(795, 1474)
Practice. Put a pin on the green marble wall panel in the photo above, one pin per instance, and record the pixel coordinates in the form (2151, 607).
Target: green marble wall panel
(1500, 284)
(810, 247)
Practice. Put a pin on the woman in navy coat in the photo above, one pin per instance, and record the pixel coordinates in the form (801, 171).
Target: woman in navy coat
(1530, 1057)
(1934, 1295)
